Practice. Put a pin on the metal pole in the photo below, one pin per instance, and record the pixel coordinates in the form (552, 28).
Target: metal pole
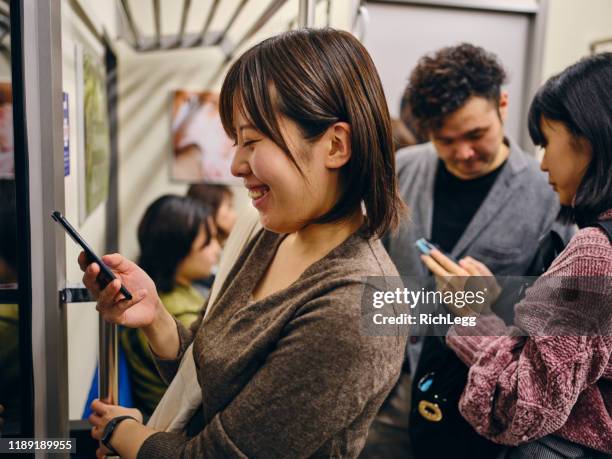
(237, 11)
(306, 14)
(209, 18)
(273, 7)
(538, 24)
(108, 351)
(156, 13)
(127, 13)
(186, 5)
(42, 59)
(82, 15)
(109, 369)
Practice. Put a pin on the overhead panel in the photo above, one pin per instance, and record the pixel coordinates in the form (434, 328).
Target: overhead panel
(197, 15)
(171, 16)
(154, 25)
(224, 11)
(230, 25)
(142, 11)
(251, 10)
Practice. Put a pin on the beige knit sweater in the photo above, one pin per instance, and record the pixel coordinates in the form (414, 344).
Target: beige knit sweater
(291, 375)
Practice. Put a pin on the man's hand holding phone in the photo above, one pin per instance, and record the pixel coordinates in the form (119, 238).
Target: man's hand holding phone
(140, 311)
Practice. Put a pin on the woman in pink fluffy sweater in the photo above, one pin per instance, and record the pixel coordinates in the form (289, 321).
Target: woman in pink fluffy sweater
(550, 375)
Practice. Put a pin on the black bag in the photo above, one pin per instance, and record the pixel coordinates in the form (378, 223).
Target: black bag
(437, 429)
(605, 225)
(549, 247)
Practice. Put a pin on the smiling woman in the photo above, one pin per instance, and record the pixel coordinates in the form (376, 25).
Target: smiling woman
(284, 367)
(311, 96)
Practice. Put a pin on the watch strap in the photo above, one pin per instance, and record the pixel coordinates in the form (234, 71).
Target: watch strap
(110, 428)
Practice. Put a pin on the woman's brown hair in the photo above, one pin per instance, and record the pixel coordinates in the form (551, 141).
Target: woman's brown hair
(315, 78)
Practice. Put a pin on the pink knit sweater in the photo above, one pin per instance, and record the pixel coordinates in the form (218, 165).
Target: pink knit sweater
(521, 388)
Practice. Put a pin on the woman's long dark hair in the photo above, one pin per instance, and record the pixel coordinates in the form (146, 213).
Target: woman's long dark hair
(166, 234)
(580, 97)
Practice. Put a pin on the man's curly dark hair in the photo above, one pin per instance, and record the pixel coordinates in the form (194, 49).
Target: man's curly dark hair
(441, 83)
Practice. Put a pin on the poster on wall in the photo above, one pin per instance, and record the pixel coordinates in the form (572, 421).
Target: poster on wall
(94, 133)
(7, 158)
(201, 151)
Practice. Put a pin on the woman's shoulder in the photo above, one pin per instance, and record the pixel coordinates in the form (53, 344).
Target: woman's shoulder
(589, 252)
(591, 240)
(365, 257)
(349, 272)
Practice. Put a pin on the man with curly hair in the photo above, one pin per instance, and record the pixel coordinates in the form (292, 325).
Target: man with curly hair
(472, 191)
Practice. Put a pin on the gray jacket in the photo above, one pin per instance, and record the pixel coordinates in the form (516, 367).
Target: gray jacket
(520, 207)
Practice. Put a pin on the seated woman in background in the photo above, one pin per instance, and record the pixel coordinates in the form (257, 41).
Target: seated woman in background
(221, 200)
(177, 238)
(285, 368)
(546, 383)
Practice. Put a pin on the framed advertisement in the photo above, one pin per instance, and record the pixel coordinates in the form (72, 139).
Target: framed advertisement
(201, 150)
(93, 132)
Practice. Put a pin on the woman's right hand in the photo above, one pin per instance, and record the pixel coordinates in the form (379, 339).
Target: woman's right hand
(145, 306)
(467, 275)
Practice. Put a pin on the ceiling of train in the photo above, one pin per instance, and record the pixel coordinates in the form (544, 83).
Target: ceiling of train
(152, 25)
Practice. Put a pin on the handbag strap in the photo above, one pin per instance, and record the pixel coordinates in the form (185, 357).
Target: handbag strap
(605, 225)
(184, 395)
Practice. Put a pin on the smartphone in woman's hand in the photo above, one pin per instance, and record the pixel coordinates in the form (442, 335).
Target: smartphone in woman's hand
(106, 276)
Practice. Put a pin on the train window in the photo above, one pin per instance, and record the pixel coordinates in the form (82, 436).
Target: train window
(10, 387)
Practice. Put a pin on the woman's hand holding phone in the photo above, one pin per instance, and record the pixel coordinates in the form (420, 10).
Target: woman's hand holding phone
(453, 276)
(145, 310)
(141, 311)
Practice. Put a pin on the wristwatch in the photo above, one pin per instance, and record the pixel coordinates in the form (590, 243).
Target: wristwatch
(110, 428)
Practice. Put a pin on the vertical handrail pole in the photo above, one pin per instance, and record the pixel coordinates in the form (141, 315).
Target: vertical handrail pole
(108, 370)
(306, 14)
